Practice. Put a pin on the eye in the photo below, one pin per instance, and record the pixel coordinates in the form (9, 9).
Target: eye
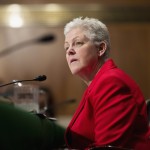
(79, 43)
(66, 48)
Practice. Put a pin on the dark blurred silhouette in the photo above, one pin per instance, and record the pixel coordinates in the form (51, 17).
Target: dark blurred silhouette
(148, 109)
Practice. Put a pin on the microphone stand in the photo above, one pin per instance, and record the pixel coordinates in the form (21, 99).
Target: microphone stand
(13, 82)
(43, 115)
(38, 78)
(43, 39)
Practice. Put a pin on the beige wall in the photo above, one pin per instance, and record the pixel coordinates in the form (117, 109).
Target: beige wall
(130, 49)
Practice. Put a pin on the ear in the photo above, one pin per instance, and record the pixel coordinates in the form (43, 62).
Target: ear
(102, 48)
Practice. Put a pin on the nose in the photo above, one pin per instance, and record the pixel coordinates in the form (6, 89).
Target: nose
(70, 51)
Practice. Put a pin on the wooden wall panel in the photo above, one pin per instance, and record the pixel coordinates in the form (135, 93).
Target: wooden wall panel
(130, 49)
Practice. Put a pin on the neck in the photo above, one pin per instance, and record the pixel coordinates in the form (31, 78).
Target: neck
(88, 77)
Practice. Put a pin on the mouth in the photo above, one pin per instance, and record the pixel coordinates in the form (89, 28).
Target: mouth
(73, 60)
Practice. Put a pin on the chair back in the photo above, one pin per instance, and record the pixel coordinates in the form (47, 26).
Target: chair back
(109, 147)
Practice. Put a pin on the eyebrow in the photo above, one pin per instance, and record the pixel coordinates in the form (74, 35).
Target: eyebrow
(73, 39)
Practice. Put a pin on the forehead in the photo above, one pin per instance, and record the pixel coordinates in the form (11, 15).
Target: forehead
(75, 33)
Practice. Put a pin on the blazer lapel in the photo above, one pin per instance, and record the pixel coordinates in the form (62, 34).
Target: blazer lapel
(108, 65)
(79, 109)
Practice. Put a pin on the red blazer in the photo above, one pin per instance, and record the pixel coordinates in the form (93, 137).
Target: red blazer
(112, 112)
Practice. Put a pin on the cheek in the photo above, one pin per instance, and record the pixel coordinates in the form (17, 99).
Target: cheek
(89, 61)
(89, 56)
(67, 58)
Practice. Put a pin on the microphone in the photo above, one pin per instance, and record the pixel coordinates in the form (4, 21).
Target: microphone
(44, 39)
(38, 78)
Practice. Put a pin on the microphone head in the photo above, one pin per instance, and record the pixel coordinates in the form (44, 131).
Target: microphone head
(40, 78)
(46, 38)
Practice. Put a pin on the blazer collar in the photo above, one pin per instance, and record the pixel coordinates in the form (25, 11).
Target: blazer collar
(109, 64)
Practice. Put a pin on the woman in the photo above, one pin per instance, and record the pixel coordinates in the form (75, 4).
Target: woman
(112, 110)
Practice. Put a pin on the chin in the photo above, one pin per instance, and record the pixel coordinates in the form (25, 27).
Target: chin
(75, 71)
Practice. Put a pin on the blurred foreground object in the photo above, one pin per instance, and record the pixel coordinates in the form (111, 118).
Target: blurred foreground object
(21, 130)
(44, 39)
